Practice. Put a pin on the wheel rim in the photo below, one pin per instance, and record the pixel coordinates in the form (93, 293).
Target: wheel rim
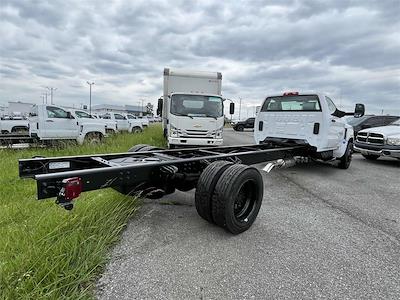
(245, 201)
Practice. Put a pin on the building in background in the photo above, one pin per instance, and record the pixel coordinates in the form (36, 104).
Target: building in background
(18, 107)
(124, 109)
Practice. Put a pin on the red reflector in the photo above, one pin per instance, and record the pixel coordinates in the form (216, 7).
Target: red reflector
(72, 188)
(291, 94)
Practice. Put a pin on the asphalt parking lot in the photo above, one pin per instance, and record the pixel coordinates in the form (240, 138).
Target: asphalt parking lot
(321, 232)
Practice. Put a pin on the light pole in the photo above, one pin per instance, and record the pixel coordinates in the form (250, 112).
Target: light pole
(51, 89)
(90, 96)
(240, 106)
(45, 96)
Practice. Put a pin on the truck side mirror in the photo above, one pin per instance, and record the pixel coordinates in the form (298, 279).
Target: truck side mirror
(159, 106)
(359, 110)
(231, 108)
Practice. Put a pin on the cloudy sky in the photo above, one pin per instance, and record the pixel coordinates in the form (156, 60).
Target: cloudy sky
(347, 49)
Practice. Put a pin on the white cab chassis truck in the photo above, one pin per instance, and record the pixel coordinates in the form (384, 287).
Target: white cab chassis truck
(123, 123)
(307, 119)
(135, 124)
(192, 108)
(229, 192)
(83, 116)
(14, 125)
(50, 122)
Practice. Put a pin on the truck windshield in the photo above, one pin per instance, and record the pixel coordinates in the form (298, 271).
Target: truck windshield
(397, 123)
(196, 106)
(292, 103)
(82, 114)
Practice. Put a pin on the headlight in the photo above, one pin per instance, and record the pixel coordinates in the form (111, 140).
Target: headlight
(393, 141)
(218, 133)
(174, 131)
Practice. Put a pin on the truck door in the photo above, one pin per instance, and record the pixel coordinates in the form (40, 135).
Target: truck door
(122, 122)
(336, 126)
(59, 124)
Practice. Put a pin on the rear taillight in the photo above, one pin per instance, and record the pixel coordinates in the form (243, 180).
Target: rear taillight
(72, 188)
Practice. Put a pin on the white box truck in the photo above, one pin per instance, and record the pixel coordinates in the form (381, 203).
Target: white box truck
(192, 108)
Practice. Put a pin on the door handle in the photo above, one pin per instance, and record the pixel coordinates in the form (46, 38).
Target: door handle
(333, 121)
(49, 121)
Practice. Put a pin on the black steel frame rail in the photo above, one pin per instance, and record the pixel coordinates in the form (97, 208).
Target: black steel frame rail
(100, 171)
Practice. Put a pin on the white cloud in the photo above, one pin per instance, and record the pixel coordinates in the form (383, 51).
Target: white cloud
(347, 50)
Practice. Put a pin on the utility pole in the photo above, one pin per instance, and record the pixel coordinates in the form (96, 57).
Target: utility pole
(51, 89)
(90, 96)
(45, 96)
(142, 106)
(240, 106)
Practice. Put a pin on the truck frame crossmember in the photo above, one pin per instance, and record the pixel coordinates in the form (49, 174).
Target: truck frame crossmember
(134, 171)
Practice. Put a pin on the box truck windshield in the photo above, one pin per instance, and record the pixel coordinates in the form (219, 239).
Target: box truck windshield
(196, 106)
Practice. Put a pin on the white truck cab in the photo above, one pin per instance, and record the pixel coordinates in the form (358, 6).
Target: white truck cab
(192, 108)
(135, 124)
(307, 119)
(122, 121)
(50, 122)
(83, 116)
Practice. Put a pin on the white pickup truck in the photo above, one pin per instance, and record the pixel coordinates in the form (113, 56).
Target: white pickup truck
(383, 141)
(307, 119)
(111, 126)
(50, 122)
(14, 125)
(136, 124)
(123, 123)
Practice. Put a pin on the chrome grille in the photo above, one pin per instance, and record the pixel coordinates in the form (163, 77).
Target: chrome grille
(371, 138)
(190, 133)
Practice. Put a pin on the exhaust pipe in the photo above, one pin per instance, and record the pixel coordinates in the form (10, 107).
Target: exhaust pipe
(285, 163)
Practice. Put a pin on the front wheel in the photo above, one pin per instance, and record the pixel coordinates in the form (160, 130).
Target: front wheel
(136, 129)
(345, 160)
(93, 138)
(240, 128)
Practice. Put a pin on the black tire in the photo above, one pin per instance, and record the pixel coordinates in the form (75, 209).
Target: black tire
(136, 129)
(93, 138)
(237, 198)
(149, 148)
(345, 160)
(239, 128)
(137, 147)
(370, 156)
(205, 188)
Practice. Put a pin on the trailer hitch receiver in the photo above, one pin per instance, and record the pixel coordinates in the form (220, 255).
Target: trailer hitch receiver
(72, 188)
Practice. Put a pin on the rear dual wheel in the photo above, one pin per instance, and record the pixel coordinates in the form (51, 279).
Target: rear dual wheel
(229, 196)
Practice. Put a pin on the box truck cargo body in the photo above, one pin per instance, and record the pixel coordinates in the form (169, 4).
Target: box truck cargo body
(192, 108)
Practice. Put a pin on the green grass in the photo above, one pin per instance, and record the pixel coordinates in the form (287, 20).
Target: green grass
(47, 252)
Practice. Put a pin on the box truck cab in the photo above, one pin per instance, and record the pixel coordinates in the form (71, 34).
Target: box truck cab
(192, 108)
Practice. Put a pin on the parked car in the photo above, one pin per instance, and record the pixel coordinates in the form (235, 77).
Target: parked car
(370, 121)
(375, 142)
(241, 125)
